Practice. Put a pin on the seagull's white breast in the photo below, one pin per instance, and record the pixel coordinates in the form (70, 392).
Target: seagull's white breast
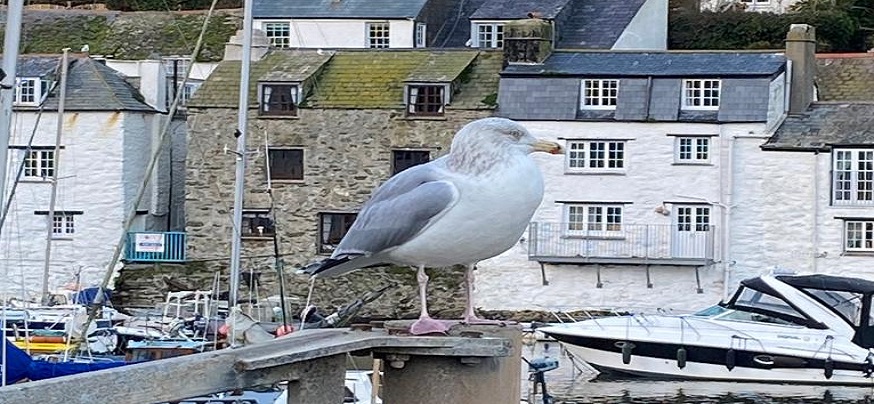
(490, 216)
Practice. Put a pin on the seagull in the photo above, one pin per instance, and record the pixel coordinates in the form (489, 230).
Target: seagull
(467, 206)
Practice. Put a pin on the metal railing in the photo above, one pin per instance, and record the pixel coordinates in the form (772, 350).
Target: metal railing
(629, 241)
(155, 247)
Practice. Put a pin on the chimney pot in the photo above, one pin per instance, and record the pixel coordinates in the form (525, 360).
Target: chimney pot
(801, 51)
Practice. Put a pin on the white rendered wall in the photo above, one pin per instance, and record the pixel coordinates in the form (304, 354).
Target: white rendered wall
(91, 180)
(342, 33)
(772, 6)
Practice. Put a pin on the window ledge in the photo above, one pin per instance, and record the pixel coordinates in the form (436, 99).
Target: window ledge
(60, 238)
(258, 238)
(277, 181)
(594, 172)
(715, 109)
(857, 254)
(291, 117)
(582, 237)
(425, 118)
(692, 164)
(36, 181)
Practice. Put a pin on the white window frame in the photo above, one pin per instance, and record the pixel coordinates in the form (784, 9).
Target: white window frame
(377, 41)
(278, 32)
(599, 93)
(63, 225)
(186, 92)
(859, 235)
(694, 217)
(264, 91)
(492, 35)
(692, 150)
(594, 219)
(698, 94)
(39, 163)
(411, 95)
(596, 156)
(34, 94)
(420, 37)
(853, 177)
(184, 63)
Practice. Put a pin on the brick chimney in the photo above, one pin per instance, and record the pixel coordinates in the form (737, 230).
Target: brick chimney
(801, 50)
(527, 41)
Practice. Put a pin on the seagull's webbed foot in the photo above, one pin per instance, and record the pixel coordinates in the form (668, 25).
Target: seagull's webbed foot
(427, 325)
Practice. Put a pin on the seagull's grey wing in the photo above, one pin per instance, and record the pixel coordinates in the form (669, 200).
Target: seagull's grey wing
(399, 210)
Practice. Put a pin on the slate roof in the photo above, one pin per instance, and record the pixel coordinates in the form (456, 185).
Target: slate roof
(596, 24)
(91, 86)
(456, 31)
(656, 64)
(824, 125)
(337, 8)
(514, 9)
(845, 77)
(221, 89)
(364, 79)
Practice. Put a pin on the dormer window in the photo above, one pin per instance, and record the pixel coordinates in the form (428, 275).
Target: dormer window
(30, 90)
(426, 99)
(599, 94)
(701, 94)
(279, 99)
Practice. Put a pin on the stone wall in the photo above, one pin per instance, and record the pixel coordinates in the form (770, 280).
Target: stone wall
(347, 154)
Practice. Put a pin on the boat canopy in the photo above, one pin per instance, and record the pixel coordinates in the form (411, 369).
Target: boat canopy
(757, 296)
(829, 282)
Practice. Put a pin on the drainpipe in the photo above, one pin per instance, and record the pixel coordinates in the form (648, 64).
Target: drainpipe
(815, 236)
(727, 262)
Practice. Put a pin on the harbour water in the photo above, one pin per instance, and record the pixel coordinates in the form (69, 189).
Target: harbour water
(574, 382)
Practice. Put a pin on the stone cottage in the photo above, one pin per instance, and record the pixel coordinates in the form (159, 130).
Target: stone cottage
(325, 128)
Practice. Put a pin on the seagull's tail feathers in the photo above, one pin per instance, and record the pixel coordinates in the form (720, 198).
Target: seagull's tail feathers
(340, 265)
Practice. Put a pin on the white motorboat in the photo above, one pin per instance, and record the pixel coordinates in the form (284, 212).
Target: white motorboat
(776, 328)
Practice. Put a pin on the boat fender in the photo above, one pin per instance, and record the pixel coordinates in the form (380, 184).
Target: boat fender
(681, 357)
(829, 368)
(730, 359)
(868, 368)
(626, 348)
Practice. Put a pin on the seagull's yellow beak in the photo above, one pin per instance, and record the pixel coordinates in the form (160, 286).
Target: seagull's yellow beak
(548, 147)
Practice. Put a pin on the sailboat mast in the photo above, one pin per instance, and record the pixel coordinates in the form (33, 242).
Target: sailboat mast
(11, 41)
(240, 174)
(54, 197)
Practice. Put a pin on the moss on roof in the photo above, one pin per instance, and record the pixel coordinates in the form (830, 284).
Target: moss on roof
(361, 79)
(845, 77)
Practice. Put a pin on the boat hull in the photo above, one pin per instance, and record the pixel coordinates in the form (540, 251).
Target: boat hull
(654, 360)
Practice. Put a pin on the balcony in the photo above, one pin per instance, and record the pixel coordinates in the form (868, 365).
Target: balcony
(155, 247)
(630, 244)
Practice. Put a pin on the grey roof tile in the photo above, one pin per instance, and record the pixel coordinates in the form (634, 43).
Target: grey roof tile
(337, 9)
(37, 65)
(92, 86)
(597, 24)
(513, 9)
(456, 32)
(657, 64)
(824, 125)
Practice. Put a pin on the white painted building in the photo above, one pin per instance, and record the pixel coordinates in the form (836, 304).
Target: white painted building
(107, 138)
(665, 197)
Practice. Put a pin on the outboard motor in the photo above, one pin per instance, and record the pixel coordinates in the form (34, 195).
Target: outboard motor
(536, 368)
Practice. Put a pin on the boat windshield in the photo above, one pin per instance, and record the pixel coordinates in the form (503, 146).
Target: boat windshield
(847, 304)
(753, 305)
(711, 311)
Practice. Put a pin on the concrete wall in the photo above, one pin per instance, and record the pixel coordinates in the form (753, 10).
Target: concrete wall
(323, 33)
(93, 174)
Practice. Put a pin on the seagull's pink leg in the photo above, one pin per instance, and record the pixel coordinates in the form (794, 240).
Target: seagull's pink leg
(425, 324)
(469, 313)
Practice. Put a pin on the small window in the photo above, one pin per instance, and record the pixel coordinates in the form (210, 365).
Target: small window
(859, 235)
(421, 31)
(425, 100)
(26, 91)
(377, 35)
(599, 94)
(489, 35)
(186, 94)
(279, 100)
(257, 223)
(176, 66)
(701, 94)
(39, 164)
(63, 225)
(285, 164)
(279, 34)
(692, 150)
(600, 155)
(593, 219)
(693, 218)
(332, 228)
(404, 159)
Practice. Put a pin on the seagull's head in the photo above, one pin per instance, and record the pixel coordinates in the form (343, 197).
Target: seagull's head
(501, 134)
